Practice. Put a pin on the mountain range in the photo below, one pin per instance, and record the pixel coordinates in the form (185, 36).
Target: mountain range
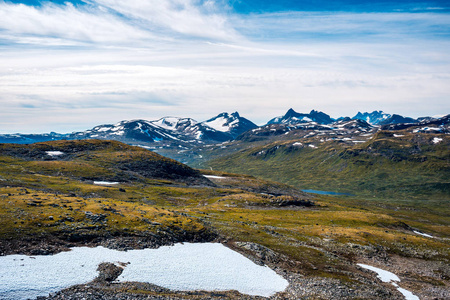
(183, 132)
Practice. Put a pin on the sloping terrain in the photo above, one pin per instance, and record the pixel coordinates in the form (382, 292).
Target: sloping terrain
(61, 194)
(388, 164)
(97, 160)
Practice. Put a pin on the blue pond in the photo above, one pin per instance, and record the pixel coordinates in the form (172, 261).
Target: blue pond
(326, 193)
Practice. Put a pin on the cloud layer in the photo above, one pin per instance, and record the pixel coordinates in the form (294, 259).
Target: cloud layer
(68, 67)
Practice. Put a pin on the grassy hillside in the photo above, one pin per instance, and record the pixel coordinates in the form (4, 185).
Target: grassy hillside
(49, 203)
(403, 165)
(94, 160)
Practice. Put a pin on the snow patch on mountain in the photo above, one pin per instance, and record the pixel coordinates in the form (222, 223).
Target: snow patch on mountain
(232, 124)
(220, 124)
(374, 118)
(437, 140)
(292, 117)
(54, 153)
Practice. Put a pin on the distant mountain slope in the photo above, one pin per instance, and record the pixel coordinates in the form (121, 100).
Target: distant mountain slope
(232, 124)
(389, 164)
(345, 127)
(397, 119)
(192, 129)
(427, 125)
(138, 130)
(186, 133)
(374, 117)
(169, 129)
(19, 138)
(378, 117)
(293, 117)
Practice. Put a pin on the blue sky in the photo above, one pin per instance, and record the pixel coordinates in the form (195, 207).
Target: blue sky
(71, 65)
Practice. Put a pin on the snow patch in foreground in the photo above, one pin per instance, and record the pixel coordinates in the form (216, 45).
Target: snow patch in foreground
(437, 140)
(54, 153)
(214, 177)
(105, 183)
(423, 234)
(387, 276)
(188, 266)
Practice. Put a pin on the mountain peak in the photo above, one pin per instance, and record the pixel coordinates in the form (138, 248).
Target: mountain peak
(290, 113)
(232, 124)
(375, 117)
(293, 117)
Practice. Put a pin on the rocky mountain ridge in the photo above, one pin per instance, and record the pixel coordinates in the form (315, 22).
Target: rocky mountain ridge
(186, 132)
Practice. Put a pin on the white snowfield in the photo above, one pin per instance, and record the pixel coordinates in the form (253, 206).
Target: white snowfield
(105, 183)
(214, 177)
(219, 124)
(423, 234)
(54, 153)
(437, 140)
(387, 276)
(188, 266)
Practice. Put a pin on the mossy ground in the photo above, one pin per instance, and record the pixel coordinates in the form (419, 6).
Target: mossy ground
(37, 199)
(401, 166)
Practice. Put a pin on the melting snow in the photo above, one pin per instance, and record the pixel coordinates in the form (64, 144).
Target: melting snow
(105, 183)
(384, 276)
(145, 147)
(423, 234)
(387, 276)
(398, 135)
(118, 128)
(214, 177)
(437, 140)
(297, 144)
(219, 124)
(54, 153)
(312, 146)
(437, 129)
(209, 266)
(102, 129)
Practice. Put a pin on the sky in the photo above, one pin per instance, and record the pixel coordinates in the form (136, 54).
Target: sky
(71, 65)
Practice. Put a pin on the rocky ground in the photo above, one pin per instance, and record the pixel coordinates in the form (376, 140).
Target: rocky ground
(364, 284)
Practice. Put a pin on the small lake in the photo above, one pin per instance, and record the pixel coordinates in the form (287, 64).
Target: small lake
(327, 193)
(188, 266)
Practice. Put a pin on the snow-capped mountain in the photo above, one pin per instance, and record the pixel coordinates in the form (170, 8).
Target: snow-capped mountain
(293, 117)
(168, 129)
(19, 138)
(186, 132)
(374, 118)
(345, 129)
(135, 130)
(426, 125)
(192, 129)
(352, 124)
(397, 119)
(232, 124)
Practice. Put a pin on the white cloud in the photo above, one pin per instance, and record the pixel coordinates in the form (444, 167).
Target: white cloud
(148, 59)
(115, 22)
(65, 22)
(188, 17)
